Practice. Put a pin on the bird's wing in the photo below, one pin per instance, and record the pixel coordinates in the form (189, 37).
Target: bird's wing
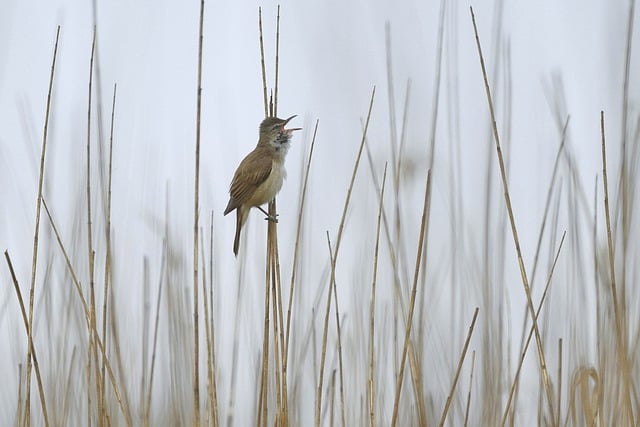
(253, 171)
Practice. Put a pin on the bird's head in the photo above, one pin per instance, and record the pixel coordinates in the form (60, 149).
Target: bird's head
(273, 132)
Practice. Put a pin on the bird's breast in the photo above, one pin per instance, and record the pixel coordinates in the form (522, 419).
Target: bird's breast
(270, 187)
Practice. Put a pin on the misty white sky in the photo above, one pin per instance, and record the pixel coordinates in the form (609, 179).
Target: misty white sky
(332, 53)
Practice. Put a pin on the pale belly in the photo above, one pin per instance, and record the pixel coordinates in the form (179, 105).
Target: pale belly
(270, 187)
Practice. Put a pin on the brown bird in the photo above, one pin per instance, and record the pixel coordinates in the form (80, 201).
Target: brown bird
(260, 175)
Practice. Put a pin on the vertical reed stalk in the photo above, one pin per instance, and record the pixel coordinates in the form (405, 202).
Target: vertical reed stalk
(36, 234)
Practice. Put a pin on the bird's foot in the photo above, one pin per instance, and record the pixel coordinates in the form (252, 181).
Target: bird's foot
(272, 218)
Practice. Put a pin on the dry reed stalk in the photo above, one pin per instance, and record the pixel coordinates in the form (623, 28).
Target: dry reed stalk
(107, 262)
(273, 285)
(262, 398)
(514, 231)
(282, 399)
(196, 221)
(264, 72)
(423, 225)
(338, 332)
(212, 328)
(36, 365)
(457, 374)
(541, 231)
(19, 406)
(393, 256)
(275, 91)
(147, 406)
(212, 413)
(93, 331)
(624, 203)
(36, 234)
(468, 405)
(372, 305)
(621, 340)
(272, 273)
(323, 354)
(531, 330)
(559, 397)
(416, 370)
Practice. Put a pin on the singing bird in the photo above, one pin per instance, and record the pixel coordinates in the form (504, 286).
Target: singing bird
(261, 173)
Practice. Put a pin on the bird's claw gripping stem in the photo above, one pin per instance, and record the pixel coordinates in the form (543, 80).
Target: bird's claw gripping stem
(272, 218)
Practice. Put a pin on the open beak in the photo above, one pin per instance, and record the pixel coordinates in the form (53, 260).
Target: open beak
(287, 121)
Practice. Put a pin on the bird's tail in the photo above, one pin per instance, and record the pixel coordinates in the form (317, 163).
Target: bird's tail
(241, 217)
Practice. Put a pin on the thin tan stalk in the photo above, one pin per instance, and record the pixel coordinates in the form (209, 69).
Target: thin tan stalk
(624, 201)
(547, 202)
(621, 339)
(147, 407)
(514, 230)
(262, 398)
(339, 332)
(353, 176)
(276, 277)
(19, 408)
(272, 238)
(207, 418)
(466, 411)
(612, 272)
(263, 401)
(335, 256)
(531, 330)
(416, 380)
(457, 375)
(212, 328)
(36, 365)
(196, 213)
(393, 257)
(332, 403)
(265, 348)
(36, 234)
(88, 376)
(372, 306)
(212, 413)
(107, 263)
(272, 284)
(601, 339)
(74, 278)
(272, 274)
(93, 331)
(323, 354)
(559, 397)
(264, 72)
(412, 301)
(275, 90)
(117, 353)
(543, 225)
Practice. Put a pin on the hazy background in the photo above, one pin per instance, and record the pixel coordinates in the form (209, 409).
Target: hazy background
(332, 53)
